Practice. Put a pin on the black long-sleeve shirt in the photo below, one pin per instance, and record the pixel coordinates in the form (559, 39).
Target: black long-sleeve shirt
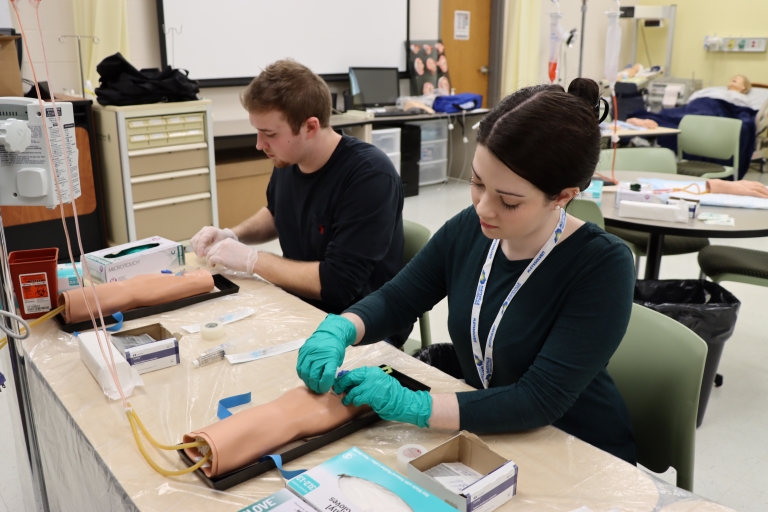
(348, 215)
(553, 343)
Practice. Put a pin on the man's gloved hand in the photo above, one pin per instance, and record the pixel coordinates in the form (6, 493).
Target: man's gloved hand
(207, 237)
(369, 385)
(233, 255)
(322, 354)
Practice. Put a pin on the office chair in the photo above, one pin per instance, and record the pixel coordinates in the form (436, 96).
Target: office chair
(710, 137)
(723, 263)
(416, 237)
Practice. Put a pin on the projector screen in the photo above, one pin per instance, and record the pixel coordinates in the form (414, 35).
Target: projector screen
(227, 42)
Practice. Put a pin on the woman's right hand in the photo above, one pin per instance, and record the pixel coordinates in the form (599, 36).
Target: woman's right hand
(322, 354)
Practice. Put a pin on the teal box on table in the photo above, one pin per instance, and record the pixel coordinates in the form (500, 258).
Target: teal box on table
(353, 481)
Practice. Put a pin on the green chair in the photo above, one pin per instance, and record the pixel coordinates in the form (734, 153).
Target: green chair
(723, 263)
(416, 237)
(658, 369)
(639, 159)
(661, 160)
(586, 210)
(710, 137)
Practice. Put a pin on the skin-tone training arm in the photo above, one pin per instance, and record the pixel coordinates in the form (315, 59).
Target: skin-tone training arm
(445, 406)
(739, 188)
(299, 277)
(257, 229)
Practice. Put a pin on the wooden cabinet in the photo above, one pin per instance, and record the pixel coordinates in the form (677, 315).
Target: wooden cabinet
(159, 170)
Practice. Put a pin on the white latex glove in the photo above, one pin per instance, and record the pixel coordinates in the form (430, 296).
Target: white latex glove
(233, 255)
(207, 237)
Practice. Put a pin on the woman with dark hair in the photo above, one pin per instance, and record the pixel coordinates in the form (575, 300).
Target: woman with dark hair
(538, 300)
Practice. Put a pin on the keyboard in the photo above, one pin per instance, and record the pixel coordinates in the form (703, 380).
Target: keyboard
(392, 113)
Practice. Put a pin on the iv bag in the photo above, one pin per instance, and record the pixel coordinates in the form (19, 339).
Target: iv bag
(555, 33)
(612, 48)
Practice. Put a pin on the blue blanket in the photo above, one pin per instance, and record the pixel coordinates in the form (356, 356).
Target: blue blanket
(670, 118)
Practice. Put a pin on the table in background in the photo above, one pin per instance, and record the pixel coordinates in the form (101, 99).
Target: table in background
(92, 463)
(749, 223)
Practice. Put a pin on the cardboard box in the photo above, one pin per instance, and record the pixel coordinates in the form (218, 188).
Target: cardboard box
(10, 74)
(164, 352)
(321, 486)
(281, 501)
(494, 489)
(120, 262)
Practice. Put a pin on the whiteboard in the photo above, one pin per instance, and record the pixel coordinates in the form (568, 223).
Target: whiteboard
(227, 39)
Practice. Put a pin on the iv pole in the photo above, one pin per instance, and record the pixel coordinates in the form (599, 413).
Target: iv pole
(80, 57)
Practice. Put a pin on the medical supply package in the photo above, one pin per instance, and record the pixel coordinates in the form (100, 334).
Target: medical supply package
(674, 211)
(636, 192)
(354, 482)
(66, 276)
(91, 355)
(496, 486)
(147, 256)
(281, 501)
(594, 192)
(160, 352)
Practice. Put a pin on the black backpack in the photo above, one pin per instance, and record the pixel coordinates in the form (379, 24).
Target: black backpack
(122, 84)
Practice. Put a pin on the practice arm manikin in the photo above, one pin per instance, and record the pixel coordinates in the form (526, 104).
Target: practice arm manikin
(139, 291)
(248, 435)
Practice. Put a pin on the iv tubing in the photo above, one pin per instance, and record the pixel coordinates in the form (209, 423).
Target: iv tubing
(132, 417)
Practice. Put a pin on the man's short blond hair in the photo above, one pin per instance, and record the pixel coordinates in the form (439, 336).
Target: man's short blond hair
(292, 89)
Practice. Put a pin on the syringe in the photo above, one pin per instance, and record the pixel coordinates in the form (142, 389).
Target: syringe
(216, 353)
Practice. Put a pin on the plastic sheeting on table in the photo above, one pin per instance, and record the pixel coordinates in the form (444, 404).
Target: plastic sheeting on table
(92, 463)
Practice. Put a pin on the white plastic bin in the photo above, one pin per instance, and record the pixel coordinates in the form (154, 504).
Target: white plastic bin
(432, 130)
(433, 172)
(395, 157)
(387, 140)
(432, 151)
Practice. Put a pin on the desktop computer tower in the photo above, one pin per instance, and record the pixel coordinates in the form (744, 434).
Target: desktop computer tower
(410, 149)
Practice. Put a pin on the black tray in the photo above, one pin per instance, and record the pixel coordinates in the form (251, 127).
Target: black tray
(224, 285)
(227, 480)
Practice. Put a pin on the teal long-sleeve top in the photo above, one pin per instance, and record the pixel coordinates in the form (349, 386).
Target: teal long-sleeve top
(553, 343)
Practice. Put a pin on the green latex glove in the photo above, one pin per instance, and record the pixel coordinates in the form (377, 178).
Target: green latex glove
(322, 354)
(369, 385)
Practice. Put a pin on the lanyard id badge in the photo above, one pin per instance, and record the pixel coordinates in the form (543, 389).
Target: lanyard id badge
(485, 365)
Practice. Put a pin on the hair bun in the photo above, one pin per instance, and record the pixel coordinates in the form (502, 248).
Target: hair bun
(586, 89)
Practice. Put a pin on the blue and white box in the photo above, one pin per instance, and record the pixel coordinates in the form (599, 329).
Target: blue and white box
(281, 501)
(355, 482)
(594, 192)
(161, 353)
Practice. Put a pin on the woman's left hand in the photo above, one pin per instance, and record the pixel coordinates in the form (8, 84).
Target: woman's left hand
(369, 385)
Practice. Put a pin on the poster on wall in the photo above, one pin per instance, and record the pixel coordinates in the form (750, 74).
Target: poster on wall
(428, 66)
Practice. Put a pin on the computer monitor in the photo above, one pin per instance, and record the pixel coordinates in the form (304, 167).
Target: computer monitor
(374, 87)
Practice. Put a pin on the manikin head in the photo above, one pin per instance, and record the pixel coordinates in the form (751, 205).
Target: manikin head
(535, 151)
(289, 106)
(740, 83)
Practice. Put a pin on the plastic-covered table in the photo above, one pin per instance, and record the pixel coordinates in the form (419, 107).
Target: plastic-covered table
(91, 462)
(748, 223)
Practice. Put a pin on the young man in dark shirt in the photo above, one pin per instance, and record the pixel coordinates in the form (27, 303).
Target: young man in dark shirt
(334, 202)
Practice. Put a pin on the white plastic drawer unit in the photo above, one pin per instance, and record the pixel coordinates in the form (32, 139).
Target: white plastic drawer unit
(432, 130)
(434, 150)
(395, 157)
(387, 140)
(433, 172)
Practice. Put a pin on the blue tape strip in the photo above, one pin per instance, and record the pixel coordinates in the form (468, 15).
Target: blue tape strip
(287, 473)
(119, 325)
(232, 401)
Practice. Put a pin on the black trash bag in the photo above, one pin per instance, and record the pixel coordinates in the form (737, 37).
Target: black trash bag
(443, 357)
(122, 84)
(704, 307)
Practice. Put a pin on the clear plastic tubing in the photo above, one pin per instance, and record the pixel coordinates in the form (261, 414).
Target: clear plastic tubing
(216, 353)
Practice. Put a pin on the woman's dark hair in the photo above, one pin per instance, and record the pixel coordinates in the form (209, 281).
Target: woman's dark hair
(547, 136)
